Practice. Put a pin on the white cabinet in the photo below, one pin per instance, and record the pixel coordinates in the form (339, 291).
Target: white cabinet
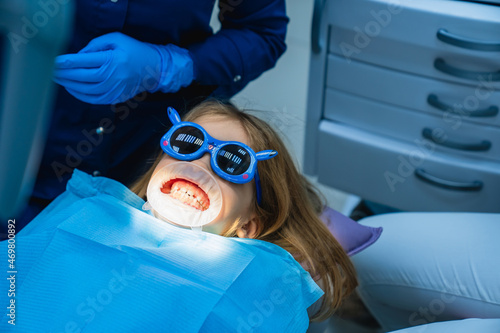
(403, 102)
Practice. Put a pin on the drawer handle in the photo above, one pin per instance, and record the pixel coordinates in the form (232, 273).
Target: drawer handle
(442, 66)
(434, 101)
(482, 146)
(466, 43)
(316, 25)
(448, 184)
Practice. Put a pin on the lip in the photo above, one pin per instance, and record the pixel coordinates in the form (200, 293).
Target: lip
(166, 188)
(197, 183)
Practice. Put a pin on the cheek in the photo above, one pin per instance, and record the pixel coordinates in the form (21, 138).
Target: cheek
(237, 199)
(166, 160)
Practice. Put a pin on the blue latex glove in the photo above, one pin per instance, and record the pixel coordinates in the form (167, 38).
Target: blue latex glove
(114, 68)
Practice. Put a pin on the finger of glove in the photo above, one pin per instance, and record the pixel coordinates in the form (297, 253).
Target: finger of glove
(90, 98)
(102, 43)
(89, 88)
(82, 60)
(113, 96)
(89, 75)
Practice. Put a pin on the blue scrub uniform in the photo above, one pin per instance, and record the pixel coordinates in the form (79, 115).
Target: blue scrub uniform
(117, 140)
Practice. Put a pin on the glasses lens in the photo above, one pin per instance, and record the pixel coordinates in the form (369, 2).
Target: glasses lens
(233, 159)
(187, 140)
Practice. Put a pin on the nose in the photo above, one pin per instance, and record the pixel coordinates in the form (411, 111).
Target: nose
(204, 161)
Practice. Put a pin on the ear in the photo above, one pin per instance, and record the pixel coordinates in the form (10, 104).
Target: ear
(248, 229)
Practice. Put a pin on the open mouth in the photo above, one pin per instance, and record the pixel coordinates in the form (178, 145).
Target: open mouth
(186, 192)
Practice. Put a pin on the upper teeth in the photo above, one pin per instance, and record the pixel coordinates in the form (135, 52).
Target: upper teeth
(186, 194)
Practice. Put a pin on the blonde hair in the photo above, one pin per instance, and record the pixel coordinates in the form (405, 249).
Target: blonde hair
(290, 208)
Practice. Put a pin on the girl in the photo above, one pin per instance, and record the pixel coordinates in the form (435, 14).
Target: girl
(289, 208)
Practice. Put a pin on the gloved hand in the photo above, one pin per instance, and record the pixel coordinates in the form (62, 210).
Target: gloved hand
(114, 68)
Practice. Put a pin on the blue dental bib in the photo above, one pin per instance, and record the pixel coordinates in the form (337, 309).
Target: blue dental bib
(93, 261)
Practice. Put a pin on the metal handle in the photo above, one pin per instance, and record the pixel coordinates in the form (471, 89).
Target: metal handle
(434, 101)
(316, 25)
(466, 43)
(442, 66)
(448, 184)
(482, 146)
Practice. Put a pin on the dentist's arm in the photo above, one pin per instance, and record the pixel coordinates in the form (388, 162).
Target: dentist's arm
(114, 68)
(250, 41)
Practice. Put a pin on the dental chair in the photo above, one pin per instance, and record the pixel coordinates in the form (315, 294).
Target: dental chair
(32, 33)
(433, 267)
(433, 270)
(403, 111)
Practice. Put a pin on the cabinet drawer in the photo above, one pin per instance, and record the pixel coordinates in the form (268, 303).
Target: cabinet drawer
(451, 102)
(404, 176)
(403, 35)
(455, 138)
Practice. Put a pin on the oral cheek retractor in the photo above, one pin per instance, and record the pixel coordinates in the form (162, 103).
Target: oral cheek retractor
(184, 194)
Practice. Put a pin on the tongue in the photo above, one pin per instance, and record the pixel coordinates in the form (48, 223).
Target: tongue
(187, 192)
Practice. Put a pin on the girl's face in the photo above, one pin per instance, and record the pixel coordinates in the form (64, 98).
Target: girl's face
(236, 198)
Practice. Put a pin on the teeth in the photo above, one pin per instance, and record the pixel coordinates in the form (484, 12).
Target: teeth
(187, 195)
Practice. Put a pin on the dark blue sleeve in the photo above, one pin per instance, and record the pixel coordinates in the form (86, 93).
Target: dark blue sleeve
(250, 41)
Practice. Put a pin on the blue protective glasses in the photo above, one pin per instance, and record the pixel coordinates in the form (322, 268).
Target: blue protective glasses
(231, 160)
